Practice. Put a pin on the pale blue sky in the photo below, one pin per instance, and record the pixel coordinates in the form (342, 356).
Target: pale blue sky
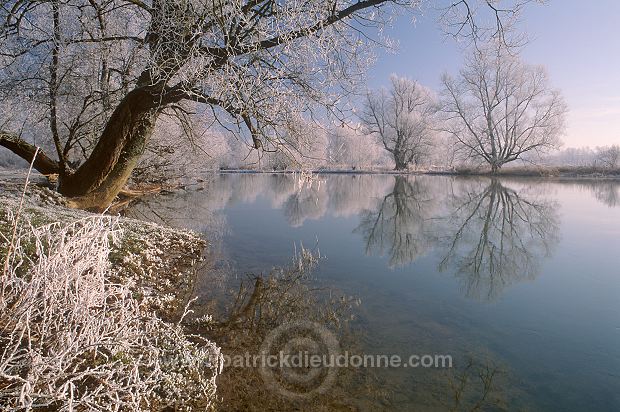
(578, 41)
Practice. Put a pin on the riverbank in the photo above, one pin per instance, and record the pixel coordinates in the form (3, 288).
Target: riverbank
(564, 172)
(91, 309)
(159, 262)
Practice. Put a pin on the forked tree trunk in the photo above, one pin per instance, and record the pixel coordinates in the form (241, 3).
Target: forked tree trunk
(102, 176)
(96, 183)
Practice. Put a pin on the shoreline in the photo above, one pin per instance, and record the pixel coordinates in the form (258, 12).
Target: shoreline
(558, 174)
(159, 262)
(96, 299)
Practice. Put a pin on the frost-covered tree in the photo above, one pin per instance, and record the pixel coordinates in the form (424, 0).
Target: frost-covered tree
(101, 73)
(402, 119)
(95, 76)
(303, 146)
(348, 147)
(499, 108)
(608, 156)
(571, 156)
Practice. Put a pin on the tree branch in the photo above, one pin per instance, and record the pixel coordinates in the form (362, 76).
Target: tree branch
(26, 151)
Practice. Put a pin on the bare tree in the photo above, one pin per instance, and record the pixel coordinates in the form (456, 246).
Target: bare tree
(608, 156)
(499, 108)
(402, 120)
(96, 75)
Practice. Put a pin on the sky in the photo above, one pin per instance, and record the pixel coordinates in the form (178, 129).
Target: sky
(578, 41)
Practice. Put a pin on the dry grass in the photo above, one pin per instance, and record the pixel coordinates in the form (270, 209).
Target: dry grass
(71, 339)
(540, 171)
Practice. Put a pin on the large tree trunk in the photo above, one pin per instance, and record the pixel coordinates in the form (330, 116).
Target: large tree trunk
(96, 183)
(400, 164)
(102, 176)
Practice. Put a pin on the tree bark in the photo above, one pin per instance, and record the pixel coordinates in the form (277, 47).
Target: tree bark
(43, 164)
(102, 176)
(400, 164)
(96, 183)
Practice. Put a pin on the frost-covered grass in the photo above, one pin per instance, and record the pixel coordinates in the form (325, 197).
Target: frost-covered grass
(81, 300)
(157, 261)
(588, 172)
(73, 339)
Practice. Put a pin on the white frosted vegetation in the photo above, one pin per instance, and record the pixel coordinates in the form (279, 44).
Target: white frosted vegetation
(500, 109)
(262, 71)
(402, 119)
(71, 339)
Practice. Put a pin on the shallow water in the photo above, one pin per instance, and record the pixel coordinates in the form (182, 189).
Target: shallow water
(517, 280)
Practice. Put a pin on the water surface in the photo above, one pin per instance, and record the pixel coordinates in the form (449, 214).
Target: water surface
(518, 280)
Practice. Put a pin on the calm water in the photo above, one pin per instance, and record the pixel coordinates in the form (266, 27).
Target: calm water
(518, 280)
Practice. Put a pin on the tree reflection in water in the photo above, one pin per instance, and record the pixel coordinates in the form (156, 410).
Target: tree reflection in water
(400, 226)
(263, 303)
(497, 236)
(486, 232)
(489, 234)
(605, 191)
(260, 305)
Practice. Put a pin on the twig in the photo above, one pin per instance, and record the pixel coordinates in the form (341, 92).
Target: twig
(19, 209)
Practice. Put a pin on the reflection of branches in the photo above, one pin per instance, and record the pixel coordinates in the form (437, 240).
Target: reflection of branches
(398, 226)
(351, 194)
(500, 236)
(307, 203)
(197, 214)
(607, 193)
(476, 386)
(260, 305)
